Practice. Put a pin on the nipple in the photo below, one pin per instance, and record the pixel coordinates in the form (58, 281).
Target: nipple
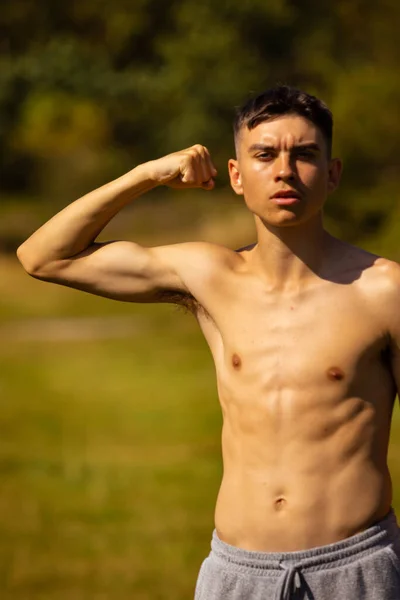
(237, 363)
(335, 374)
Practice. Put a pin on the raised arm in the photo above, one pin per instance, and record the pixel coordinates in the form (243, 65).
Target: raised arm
(64, 249)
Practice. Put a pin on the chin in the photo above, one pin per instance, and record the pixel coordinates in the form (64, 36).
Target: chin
(287, 218)
(282, 220)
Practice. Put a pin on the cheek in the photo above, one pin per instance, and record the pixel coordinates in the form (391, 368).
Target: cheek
(255, 174)
(314, 177)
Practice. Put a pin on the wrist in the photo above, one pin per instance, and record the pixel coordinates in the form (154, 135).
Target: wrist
(138, 181)
(147, 173)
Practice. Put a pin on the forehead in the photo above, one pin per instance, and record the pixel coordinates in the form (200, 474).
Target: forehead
(287, 130)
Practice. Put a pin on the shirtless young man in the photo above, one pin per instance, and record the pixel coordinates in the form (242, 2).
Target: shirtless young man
(305, 334)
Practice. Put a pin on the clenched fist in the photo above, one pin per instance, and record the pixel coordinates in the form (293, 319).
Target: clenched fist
(190, 168)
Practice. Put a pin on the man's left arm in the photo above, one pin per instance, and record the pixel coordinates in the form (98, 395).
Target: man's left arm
(394, 323)
(395, 358)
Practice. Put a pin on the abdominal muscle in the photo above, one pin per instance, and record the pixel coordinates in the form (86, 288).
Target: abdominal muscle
(300, 474)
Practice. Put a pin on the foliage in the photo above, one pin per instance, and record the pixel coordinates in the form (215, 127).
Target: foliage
(126, 82)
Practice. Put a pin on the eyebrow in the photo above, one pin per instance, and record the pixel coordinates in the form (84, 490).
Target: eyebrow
(306, 146)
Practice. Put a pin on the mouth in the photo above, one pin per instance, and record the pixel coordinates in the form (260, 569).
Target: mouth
(285, 197)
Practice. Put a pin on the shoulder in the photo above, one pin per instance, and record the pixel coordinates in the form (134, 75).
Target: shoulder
(384, 277)
(369, 268)
(374, 277)
(194, 257)
(386, 296)
(207, 257)
(379, 285)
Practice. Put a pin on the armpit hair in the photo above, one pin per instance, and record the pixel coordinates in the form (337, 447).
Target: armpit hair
(183, 300)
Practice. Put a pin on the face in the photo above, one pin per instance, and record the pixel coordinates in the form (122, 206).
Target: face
(279, 157)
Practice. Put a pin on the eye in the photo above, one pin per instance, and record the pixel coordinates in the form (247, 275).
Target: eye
(265, 155)
(306, 154)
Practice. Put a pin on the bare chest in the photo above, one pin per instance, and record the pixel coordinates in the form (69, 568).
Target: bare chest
(288, 343)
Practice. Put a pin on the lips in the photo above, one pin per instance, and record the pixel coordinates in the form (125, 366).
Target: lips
(286, 198)
(286, 194)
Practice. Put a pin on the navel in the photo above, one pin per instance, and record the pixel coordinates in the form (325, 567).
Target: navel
(280, 504)
(236, 361)
(335, 374)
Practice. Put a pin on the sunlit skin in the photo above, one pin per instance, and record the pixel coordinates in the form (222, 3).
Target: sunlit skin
(304, 331)
(305, 389)
(288, 152)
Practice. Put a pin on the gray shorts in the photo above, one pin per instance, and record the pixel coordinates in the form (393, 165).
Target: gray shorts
(365, 566)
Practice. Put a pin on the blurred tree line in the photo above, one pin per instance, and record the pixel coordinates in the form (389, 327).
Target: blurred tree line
(89, 88)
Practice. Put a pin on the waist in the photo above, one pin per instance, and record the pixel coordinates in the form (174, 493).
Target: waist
(380, 535)
(299, 512)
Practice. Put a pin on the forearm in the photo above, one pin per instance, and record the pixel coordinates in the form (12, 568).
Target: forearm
(77, 226)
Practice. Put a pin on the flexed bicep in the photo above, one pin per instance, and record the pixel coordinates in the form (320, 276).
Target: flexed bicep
(127, 271)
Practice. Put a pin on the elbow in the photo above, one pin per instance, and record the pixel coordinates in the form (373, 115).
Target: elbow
(23, 257)
(28, 262)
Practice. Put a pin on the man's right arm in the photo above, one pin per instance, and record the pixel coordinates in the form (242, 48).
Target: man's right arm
(64, 249)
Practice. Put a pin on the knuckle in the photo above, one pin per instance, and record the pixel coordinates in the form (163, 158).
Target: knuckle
(200, 150)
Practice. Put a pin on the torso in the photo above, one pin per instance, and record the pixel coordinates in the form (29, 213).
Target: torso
(306, 395)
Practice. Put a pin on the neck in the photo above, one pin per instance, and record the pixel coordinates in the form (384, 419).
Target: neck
(289, 257)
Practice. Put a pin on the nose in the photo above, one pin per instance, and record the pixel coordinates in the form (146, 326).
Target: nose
(284, 168)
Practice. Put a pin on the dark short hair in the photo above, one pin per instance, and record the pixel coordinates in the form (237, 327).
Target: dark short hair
(283, 100)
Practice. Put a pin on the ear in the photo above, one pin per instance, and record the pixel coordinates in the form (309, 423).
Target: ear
(335, 172)
(235, 177)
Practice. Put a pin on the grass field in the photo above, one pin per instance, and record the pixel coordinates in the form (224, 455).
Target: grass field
(109, 447)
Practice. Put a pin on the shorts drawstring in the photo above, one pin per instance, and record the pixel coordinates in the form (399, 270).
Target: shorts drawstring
(290, 581)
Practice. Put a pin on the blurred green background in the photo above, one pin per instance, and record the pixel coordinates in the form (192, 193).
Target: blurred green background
(109, 422)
